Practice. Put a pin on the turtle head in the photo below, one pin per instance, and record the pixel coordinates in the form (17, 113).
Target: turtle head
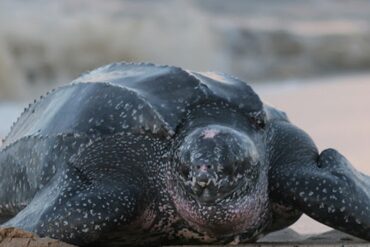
(218, 179)
(216, 161)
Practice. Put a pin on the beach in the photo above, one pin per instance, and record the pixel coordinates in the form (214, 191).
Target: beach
(310, 59)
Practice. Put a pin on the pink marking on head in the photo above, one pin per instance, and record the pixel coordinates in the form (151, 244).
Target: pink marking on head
(210, 133)
(203, 168)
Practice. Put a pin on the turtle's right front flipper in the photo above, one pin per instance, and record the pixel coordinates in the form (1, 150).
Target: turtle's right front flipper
(79, 212)
(16, 189)
(28, 164)
(88, 201)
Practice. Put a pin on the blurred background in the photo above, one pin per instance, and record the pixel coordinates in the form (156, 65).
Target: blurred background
(310, 58)
(48, 42)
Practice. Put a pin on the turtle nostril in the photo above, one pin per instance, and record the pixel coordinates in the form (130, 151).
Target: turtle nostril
(203, 168)
(228, 170)
(185, 171)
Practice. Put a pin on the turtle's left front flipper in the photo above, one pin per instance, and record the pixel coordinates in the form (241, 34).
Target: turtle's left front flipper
(324, 186)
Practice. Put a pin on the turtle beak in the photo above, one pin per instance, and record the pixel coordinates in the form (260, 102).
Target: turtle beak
(203, 180)
(203, 186)
(203, 176)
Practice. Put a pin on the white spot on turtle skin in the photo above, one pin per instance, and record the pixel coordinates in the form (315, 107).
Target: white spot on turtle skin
(210, 133)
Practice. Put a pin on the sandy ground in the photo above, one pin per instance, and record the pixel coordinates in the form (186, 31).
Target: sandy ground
(335, 111)
(10, 237)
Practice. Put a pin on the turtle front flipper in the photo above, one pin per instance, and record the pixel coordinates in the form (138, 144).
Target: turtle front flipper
(81, 215)
(95, 199)
(324, 186)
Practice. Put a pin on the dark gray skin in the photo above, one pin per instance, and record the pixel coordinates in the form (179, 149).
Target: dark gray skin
(138, 154)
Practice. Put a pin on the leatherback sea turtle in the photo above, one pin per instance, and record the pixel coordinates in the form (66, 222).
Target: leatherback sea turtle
(138, 154)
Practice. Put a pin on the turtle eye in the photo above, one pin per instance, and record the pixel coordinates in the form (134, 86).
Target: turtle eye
(229, 169)
(185, 170)
(241, 167)
(257, 119)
